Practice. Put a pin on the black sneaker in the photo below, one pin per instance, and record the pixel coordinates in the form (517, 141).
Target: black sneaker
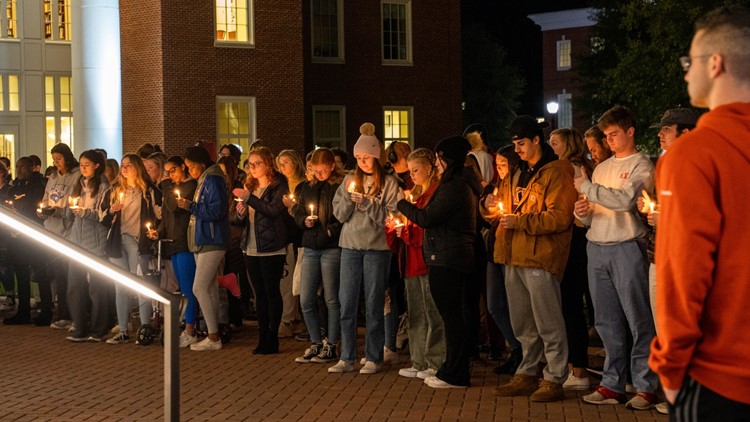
(310, 353)
(327, 354)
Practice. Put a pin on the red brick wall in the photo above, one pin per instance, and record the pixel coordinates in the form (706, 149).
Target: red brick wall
(195, 72)
(555, 81)
(432, 85)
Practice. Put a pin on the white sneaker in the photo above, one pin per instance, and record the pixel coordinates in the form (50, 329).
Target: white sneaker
(573, 383)
(390, 356)
(662, 408)
(363, 361)
(427, 373)
(186, 339)
(8, 304)
(369, 368)
(72, 328)
(436, 382)
(62, 324)
(205, 345)
(341, 366)
(408, 372)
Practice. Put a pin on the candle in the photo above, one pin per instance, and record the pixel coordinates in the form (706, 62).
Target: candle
(411, 198)
(652, 206)
(494, 192)
(352, 187)
(177, 192)
(74, 202)
(500, 207)
(41, 205)
(312, 210)
(122, 195)
(291, 197)
(148, 227)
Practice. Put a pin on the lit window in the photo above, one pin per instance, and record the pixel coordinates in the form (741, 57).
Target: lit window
(328, 126)
(563, 54)
(57, 20)
(9, 94)
(234, 21)
(235, 122)
(565, 113)
(58, 105)
(7, 145)
(327, 30)
(396, 31)
(398, 125)
(9, 19)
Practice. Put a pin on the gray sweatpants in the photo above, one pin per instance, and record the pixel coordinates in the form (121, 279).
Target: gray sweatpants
(206, 286)
(537, 320)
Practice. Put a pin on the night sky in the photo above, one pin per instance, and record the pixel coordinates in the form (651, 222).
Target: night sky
(520, 37)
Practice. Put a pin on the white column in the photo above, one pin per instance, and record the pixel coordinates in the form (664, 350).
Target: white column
(97, 87)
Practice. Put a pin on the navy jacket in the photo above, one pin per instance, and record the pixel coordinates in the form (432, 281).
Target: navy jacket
(270, 216)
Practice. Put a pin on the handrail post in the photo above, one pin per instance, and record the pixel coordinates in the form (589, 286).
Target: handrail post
(171, 360)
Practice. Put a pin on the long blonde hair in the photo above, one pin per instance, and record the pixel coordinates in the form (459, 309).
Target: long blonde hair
(574, 148)
(299, 166)
(424, 156)
(141, 177)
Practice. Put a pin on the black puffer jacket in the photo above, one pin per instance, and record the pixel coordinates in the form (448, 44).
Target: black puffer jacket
(327, 229)
(449, 220)
(270, 215)
(175, 220)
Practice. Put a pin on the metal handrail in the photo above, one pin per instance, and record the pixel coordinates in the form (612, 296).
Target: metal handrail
(102, 266)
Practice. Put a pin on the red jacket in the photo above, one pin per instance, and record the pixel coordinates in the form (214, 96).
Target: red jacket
(411, 237)
(702, 244)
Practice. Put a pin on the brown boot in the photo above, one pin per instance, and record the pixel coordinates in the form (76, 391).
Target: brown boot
(519, 385)
(548, 391)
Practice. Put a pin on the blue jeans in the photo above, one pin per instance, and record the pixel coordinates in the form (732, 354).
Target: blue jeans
(618, 280)
(497, 302)
(130, 261)
(372, 268)
(183, 264)
(317, 262)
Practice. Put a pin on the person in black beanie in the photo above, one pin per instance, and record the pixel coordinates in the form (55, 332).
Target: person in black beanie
(449, 220)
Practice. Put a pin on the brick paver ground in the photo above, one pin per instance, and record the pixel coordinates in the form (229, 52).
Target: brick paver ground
(45, 378)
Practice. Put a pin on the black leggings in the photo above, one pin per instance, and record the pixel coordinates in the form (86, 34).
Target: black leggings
(447, 287)
(265, 276)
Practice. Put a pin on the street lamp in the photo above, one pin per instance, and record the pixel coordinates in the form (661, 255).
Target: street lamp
(552, 108)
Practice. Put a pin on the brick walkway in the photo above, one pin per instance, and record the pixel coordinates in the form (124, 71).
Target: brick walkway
(45, 377)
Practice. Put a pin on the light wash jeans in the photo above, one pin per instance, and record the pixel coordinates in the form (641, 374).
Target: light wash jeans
(426, 329)
(130, 261)
(372, 268)
(208, 266)
(325, 263)
(618, 280)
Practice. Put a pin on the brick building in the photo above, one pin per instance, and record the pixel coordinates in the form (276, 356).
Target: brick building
(565, 35)
(296, 74)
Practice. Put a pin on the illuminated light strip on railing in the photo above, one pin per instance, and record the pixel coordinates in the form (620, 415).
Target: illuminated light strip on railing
(43, 236)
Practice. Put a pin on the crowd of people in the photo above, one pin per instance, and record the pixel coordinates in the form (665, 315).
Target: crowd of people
(548, 235)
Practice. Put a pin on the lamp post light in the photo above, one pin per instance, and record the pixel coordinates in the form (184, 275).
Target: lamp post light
(552, 108)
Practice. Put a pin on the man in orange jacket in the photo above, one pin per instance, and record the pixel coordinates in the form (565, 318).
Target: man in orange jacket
(703, 291)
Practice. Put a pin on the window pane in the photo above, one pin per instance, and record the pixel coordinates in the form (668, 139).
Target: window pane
(13, 94)
(63, 19)
(49, 93)
(396, 125)
(325, 28)
(66, 130)
(66, 97)
(7, 146)
(2, 96)
(10, 14)
(47, 7)
(395, 31)
(232, 20)
(328, 128)
(233, 122)
(51, 132)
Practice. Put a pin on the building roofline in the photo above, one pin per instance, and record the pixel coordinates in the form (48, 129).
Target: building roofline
(563, 19)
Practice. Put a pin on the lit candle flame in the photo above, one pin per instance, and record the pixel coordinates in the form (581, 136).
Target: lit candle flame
(74, 202)
(122, 196)
(652, 206)
(292, 198)
(41, 205)
(148, 227)
(312, 210)
(500, 207)
(177, 192)
(352, 187)
(411, 198)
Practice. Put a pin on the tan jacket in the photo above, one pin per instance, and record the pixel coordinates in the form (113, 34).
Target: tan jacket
(545, 221)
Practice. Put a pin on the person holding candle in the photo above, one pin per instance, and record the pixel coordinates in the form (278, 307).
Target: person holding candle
(365, 253)
(322, 257)
(262, 212)
(291, 166)
(617, 262)
(449, 223)
(174, 225)
(132, 202)
(55, 200)
(426, 329)
(492, 206)
(22, 251)
(87, 290)
(536, 232)
(568, 144)
(207, 237)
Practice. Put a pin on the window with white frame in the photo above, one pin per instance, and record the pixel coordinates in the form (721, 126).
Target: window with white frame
(398, 125)
(10, 96)
(7, 144)
(58, 110)
(57, 20)
(396, 16)
(235, 122)
(328, 126)
(8, 19)
(234, 22)
(563, 54)
(565, 112)
(327, 22)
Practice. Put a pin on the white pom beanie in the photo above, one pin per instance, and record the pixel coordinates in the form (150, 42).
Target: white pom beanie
(368, 143)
